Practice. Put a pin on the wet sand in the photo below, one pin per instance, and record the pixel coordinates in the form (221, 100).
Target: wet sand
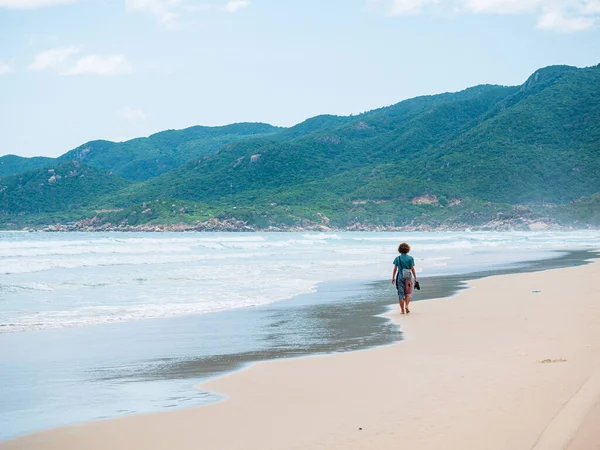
(339, 317)
(497, 366)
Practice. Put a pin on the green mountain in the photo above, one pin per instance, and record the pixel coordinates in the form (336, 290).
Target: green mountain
(144, 158)
(13, 164)
(543, 145)
(64, 186)
(502, 144)
(483, 154)
(360, 143)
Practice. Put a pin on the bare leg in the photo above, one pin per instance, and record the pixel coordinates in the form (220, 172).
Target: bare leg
(407, 302)
(401, 301)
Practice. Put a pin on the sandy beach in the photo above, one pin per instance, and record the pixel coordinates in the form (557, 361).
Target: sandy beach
(498, 366)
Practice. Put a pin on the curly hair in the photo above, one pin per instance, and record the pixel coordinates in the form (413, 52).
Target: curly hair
(404, 248)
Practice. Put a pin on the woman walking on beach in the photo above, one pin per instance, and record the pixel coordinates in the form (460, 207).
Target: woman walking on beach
(404, 272)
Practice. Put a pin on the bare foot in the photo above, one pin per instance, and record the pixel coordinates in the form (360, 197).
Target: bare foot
(402, 312)
(407, 310)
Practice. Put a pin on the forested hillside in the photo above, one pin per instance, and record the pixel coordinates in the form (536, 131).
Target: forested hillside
(144, 158)
(66, 186)
(471, 157)
(12, 164)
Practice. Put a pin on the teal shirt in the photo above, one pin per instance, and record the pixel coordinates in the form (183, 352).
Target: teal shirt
(404, 262)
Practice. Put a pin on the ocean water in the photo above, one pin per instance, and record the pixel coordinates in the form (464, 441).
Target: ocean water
(50, 281)
(98, 325)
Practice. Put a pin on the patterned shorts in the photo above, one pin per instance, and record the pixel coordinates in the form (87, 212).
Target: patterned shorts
(405, 288)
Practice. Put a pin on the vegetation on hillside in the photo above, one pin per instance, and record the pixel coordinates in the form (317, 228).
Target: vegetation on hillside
(483, 154)
(144, 158)
(67, 186)
(13, 164)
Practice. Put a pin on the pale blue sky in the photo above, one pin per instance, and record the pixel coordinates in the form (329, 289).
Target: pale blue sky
(76, 70)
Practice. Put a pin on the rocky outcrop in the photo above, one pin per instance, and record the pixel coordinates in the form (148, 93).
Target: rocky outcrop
(364, 202)
(363, 126)
(332, 140)
(223, 225)
(425, 200)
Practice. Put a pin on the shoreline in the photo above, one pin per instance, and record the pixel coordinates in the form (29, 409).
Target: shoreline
(216, 384)
(242, 227)
(232, 225)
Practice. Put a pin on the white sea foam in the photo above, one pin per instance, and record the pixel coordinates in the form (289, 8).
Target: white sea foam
(321, 236)
(69, 280)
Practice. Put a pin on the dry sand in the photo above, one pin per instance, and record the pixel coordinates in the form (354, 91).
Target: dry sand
(495, 367)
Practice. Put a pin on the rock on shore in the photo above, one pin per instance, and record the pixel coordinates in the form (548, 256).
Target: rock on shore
(96, 224)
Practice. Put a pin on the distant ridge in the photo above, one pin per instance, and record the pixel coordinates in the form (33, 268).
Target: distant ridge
(143, 158)
(488, 153)
(13, 164)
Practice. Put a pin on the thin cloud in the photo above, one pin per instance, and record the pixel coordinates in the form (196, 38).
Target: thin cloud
(236, 5)
(52, 59)
(131, 114)
(504, 6)
(592, 7)
(32, 4)
(62, 61)
(407, 7)
(5, 67)
(169, 12)
(166, 11)
(105, 65)
(555, 15)
(556, 21)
